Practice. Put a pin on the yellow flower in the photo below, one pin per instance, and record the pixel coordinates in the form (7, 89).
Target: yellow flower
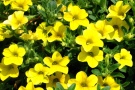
(29, 36)
(124, 58)
(58, 32)
(57, 63)
(4, 33)
(13, 55)
(16, 20)
(30, 86)
(119, 10)
(58, 77)
(8, 71)
(59, 2)
(83, 82)
(38, 74)
(89, 39)
(108, 81)
(103, 28)
(42, 32)
(76, 17)
(117, 34)
(92, 57)
(21, 4)
(7, 2)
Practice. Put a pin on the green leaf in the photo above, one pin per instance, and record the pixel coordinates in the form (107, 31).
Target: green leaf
(114, 1)
(92, 17)
(72, 87)
(31, 17)
(96, 72)
(81, 3)
(125, 83)
(103, 4)
(52, 5)
(106, 88)
(57, 89)
(59, 86)
(96, 1)
(117, 74)
(58, 8)
(113, 67)
(98, 87)
(124, 30)
(124, 69)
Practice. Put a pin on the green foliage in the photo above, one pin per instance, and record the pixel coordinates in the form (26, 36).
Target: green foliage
(60, 87)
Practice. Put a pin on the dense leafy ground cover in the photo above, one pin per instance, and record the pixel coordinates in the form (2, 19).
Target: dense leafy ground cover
(67, 45)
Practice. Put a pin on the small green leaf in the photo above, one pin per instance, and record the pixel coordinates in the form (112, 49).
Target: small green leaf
(125, 83)
(113, 67)
(59, 86)
(92, 17)
(98, 87)
(52, 5)
(58, 8)
(117, 74)
(114, 1)
(57, 89)
(106, 88)
(124, 69)
(72, 87)
(96, 72)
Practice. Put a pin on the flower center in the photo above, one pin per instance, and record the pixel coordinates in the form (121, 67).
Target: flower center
(88, 42)
(75, 17)
(105, 84)
(11, 67)
(91, 54)
(55, 80)
(15, 54)
(83, 84)
(121, 13)
(115, 27)
(54, 63)
(59, 35)
(40, 72)
(122, 57)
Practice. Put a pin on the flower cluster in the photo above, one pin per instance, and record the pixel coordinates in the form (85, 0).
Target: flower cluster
(67, 44)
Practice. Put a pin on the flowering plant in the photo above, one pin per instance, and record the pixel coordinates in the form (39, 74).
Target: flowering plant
(67, 44)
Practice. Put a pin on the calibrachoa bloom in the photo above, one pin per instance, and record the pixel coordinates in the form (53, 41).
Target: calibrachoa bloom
(30, 86)
(57, 63)
(59, 2)
(103, 29)
(38, 74)
(76, 17)
(21, 4)
(124, 58)
(42, 32)
(16, 20)
(58, 77)
(119, 10)
(57, 32)
(29, 36)
(13, 55)
(4, 33)
(7, 2)
(84, 82)
(118, 33)
(92, 57)
(108, 81)
(6, 71)
(89, 39)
